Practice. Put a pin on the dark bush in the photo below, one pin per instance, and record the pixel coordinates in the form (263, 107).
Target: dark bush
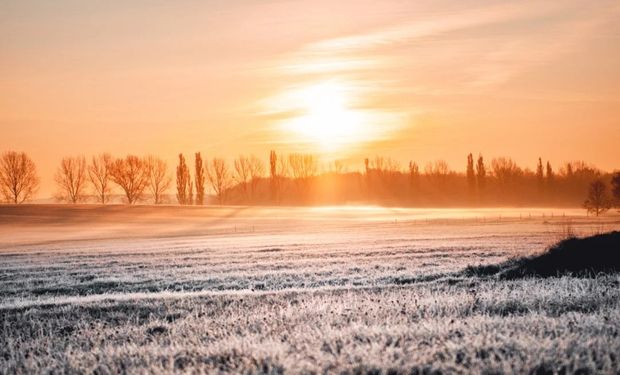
(573, 256)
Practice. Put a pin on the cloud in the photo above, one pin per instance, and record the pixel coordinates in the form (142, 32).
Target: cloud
(425, 27)
(457, 51)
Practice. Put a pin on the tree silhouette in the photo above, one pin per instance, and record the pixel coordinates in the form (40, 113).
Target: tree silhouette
(597, 201)
(242, 173)
(438, 172)
(158, 179)
(190, 192)
(615, 188)
(550, 175)
(384, 166)
(283, 169)
(481, 173)
(368, 177)
(257, 170)
(282, 172)
(273, 175)
(219, 177)
(302, 167)
(99, 175)
(184, 183)
(199, 180)
(471, 173)
(338, 167)
(568, 170)
(414, 175)
(131, 175)
(18, 177)
(385, 171)
(71, 179)
(381, 179)
(540, 178)
(506, 172)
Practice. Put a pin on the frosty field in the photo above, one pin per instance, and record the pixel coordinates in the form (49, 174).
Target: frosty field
(313, 290)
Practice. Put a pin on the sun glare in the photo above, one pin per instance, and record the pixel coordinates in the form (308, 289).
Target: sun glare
(326, 116)
(330, 116)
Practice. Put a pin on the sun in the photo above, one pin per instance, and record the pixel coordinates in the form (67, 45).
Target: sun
(326, 116)
(330, 117)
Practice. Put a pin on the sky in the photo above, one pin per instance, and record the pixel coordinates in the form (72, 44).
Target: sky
(411, 80)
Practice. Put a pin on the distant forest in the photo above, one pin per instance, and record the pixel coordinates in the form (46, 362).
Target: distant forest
(297, 179)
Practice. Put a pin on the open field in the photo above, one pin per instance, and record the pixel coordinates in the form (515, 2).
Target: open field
(269, 290)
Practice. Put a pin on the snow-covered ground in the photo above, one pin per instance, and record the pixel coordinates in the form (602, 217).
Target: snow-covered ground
(319, 289)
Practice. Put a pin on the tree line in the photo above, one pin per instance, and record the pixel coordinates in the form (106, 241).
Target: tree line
(298, 179)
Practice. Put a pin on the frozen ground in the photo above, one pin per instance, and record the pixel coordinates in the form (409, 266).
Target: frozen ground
(353, 289)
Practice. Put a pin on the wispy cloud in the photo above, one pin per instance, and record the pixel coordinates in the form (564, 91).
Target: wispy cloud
(426, 27)
(459, 50)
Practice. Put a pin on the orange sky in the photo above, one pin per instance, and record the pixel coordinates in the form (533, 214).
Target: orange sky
(346, 79)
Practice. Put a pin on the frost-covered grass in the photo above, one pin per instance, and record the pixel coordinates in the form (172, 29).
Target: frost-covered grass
(562, 325)
(304, 295)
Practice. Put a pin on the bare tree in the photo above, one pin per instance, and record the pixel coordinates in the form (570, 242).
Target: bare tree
(190, 193)
(506, 171)
(18, 177)
(579, 169)
(257, 170)
(199, 180)
(438, 171)
(383, 170)
(219, 178)
(278, 170)
(99, 175)
(566, 170)
(338, 167)
(242, 173)
(540, 178)
(384, 166)
(273, 174)
(471, 173)
(131, 175)
(302, 166)
(597, 201)
(381, 176)
(615, 188)
(481, 174)
(283, 167)
(282, 174)
(438, 168)
(184, 183)
(158, 179)
(414, 175)
(550, 175)
(296, 164)
(71, 178)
